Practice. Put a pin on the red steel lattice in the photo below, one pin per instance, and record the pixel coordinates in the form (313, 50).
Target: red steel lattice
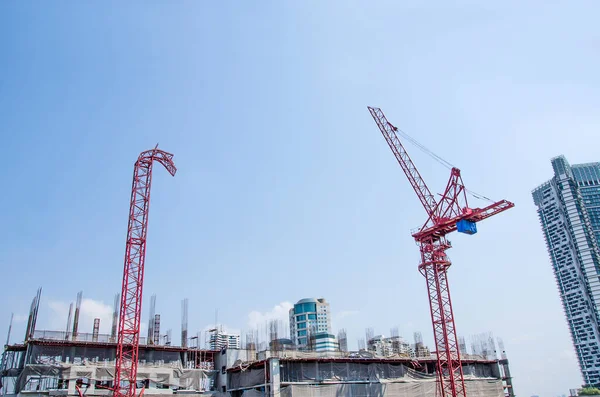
(133, 272)
(443, 216)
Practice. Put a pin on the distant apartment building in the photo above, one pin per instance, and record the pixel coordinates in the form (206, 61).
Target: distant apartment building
(386, 347)
(308, 317)
(220, 340)
(421, 350)
(323, 342)
(568, 206)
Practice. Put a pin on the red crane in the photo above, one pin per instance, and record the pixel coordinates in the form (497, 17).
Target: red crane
(133, 272)
(451, 212)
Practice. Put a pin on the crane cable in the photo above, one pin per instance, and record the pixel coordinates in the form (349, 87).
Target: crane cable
(479, 196)
(425, 150)
(440, 160)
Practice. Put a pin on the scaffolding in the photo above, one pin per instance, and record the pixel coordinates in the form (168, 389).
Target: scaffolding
(49, 362)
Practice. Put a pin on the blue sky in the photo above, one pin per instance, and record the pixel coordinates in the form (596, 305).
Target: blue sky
(285, 187)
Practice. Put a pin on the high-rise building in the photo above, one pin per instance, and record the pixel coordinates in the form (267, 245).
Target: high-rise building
(309, 317)
(569, 211)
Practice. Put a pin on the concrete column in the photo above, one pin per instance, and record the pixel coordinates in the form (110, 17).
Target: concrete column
(92, 388)
(274, 378)
(72, 380)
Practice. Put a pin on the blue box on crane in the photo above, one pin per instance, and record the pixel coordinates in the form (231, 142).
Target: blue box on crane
(467, 227)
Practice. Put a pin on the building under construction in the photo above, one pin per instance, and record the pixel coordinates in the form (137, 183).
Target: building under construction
(303, 374)
(70, 362)
(54, 363)
(73, 363)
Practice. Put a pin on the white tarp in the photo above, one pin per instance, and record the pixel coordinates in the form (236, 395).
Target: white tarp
(475, 388)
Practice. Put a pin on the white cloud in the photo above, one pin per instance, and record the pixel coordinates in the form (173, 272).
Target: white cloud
(90, 309)
(279, 312)
(59, 312)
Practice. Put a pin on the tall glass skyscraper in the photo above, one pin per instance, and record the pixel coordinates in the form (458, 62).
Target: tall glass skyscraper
(569, 211)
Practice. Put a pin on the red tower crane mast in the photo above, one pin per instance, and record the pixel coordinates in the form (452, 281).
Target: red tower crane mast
(451, 212)
(133, 272)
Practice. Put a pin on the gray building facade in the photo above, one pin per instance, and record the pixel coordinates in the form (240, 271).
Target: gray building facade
(568, 207)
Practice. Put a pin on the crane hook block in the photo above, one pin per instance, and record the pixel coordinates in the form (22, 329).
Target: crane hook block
(465, 226)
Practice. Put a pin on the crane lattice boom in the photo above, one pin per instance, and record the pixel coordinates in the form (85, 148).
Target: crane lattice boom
(133, 271)
(413, 175)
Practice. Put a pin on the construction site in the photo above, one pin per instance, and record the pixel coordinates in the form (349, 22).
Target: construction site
(62, 363)
(126, 364)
